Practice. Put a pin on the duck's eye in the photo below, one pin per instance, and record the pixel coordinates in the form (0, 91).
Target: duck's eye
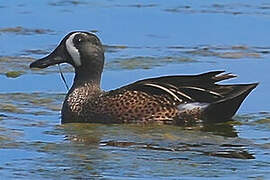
(78, 39)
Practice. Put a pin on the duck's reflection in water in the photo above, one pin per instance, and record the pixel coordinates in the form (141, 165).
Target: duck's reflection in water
(219, 140)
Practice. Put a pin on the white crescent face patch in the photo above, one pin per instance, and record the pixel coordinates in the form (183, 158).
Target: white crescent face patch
(73, 51)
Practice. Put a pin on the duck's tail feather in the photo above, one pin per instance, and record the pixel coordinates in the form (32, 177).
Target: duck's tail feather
(223, 76)
(225, 109)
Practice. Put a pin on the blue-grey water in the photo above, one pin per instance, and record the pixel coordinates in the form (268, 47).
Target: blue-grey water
(142, 39)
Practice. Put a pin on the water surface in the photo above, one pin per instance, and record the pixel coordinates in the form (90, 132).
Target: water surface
(142, 39)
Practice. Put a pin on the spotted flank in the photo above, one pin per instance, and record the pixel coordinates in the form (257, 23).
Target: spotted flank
(174, 99)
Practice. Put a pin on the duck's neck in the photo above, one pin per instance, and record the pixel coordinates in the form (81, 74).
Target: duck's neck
(82, 91)
(88, 74)
(85, 84)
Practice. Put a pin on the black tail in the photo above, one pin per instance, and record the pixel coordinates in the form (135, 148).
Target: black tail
(225, 109)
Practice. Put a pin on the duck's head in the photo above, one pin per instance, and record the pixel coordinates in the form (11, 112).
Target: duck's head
(83, 50)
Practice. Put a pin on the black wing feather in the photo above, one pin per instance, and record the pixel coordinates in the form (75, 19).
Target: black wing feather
(188, 88)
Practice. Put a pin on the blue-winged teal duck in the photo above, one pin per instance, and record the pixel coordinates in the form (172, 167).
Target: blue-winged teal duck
(168, 99)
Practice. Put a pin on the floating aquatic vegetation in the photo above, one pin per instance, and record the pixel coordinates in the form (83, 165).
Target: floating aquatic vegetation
(25, 31)
(28, 52)
(94, 30)
(9, 64)
(264, 121)
(67, 3)
(11, 108)
(138, 5)
(264, 6)
(14, 74)
(238, 55)
(146, 62)
(225, 52)
(260, 120)
(32, 103)
(222, 8)
(13, 66)
(114, 48)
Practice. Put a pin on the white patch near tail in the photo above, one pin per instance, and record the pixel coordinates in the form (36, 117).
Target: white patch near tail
(73, 51)
(190, 106)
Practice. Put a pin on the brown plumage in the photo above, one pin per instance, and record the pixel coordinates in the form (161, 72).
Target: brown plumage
(165, 100)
